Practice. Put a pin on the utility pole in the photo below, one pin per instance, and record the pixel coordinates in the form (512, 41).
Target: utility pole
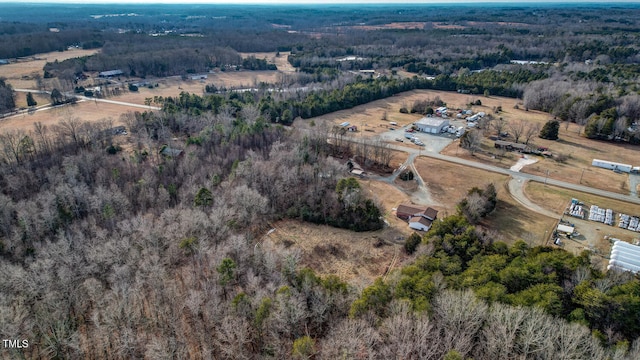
(545, 178)
(580, 182)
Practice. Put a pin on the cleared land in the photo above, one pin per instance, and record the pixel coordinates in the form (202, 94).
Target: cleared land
(593, 233)
(449, 183)
(358, 258)
(20, 74)
(281, 61)
(86, 111)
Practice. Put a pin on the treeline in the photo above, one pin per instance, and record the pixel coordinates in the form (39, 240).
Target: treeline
(38, 39)
(142, 55)
(603, 112)
(7, 97)
(460, 257)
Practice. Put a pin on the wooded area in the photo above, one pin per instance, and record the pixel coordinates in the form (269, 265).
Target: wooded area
(151, 245)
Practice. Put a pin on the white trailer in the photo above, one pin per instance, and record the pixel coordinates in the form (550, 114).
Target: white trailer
(612, 165)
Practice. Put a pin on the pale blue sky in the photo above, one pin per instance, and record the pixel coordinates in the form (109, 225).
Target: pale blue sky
(311, 2)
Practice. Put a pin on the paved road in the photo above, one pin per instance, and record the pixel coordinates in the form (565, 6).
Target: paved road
(524, 176)
(516, 189)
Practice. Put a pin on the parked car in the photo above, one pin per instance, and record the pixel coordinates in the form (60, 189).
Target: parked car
(399, 140)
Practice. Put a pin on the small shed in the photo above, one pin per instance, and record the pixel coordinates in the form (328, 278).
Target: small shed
(565, 229)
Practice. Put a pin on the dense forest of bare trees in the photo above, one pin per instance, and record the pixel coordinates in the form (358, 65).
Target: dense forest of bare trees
(129, 248)
(139, 254)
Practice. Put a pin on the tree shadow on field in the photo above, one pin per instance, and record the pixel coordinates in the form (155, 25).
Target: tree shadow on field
(578, 145)
(508, 219)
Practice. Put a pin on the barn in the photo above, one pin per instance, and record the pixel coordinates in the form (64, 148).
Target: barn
(431, 125)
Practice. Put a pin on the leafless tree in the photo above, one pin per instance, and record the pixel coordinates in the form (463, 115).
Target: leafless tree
(459, 317)
(499, 125)
(531, 131)
(518, 128)
(471, 140)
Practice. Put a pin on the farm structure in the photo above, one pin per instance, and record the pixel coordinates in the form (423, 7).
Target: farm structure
(565, 229)
(199, 77)
(110, 73)
(508, 145)
(431, 125)
(419, 218)
(624, 257)
(614, 166)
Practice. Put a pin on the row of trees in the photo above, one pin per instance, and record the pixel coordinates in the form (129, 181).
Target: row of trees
(7, 97)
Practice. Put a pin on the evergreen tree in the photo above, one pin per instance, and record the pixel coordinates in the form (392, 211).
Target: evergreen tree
(550, 130)
(30, 100)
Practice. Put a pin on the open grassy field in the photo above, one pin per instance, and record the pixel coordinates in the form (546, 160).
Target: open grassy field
(20, 74)
(173, 86)
(593, 233)
(86, 111)
(358, 258)
(281, 61)
(449, 183)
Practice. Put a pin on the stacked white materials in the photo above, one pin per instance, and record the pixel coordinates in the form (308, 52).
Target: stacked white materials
(624, 257)
(601, 215)
(576, 210)
(608, 217)
(629, 222)
(634, 224)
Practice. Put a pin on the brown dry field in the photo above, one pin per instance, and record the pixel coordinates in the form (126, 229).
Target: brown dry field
(358, 258)
(14, 72)
(392, 26)
(21, 99)
(557, 199)
(448, 183)
(86, 111)
(173, 86)
(281, 61)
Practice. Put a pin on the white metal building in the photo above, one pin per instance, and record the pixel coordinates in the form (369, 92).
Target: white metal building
(431, 125)
(611, 165)
(625, 257)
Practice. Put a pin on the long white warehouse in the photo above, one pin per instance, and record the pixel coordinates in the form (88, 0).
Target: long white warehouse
(625, 257)
(612, 165)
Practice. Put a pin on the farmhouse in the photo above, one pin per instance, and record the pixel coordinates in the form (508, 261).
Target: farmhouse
(110, 73)
(419, 218)
(431, 125)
